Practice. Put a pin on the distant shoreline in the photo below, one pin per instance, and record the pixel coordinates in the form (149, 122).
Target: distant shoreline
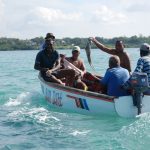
(11, 44)
(59, 49)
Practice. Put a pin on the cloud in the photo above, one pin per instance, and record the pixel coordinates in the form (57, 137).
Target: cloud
(1, 9)
(53, 16)
(141, 6)
(38, 20)
(2, 18)
(30, 18)
(106, 15)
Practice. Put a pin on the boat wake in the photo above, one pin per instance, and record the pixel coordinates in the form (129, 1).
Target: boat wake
(21, 98)
(78, 133)
(30, 107)
(137, 131)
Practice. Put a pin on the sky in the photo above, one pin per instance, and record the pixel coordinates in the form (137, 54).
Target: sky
(74, 18)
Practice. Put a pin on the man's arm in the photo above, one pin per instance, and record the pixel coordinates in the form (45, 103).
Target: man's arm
(128, 62)
(82, 67)
(37, 64)
(139, 66)
(56, 64)
(106, 79)
(38, 67)
(103, 47)
(56, 67)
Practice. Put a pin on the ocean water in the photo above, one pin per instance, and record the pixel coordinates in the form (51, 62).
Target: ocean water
(27, 122)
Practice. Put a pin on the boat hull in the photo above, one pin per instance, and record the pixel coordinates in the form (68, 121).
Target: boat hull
(90, 103)
(75, 100)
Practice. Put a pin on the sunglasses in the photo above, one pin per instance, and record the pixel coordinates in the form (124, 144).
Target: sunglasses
(50, 41)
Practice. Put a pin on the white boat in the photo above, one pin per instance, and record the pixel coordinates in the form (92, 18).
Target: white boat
(91, 103)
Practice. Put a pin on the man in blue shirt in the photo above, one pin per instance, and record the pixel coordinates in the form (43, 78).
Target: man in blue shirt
(48, 35)
(115, 77)
(48, 63)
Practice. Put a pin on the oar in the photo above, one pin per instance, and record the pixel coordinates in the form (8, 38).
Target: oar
(67, 64)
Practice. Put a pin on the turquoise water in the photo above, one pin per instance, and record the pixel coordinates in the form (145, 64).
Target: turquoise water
(26, 121)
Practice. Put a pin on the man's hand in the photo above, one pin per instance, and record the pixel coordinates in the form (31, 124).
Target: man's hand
(62, 56)
(92, 39)
(60, 82)
(48, 73)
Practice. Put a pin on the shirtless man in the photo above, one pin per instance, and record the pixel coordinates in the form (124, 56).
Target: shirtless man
(77, 62)
(119, 51)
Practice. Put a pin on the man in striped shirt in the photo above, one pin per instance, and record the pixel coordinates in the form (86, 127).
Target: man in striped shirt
(143, 64)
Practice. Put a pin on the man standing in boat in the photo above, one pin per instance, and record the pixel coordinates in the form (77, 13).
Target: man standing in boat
(119, 51)
(48, 63)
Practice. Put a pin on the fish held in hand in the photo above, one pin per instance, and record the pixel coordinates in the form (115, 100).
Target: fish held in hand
(88, 52)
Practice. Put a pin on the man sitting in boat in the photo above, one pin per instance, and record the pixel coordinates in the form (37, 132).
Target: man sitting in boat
(85, 79)
(48, 35)
(48, 63)
(119, 51)
(115, 77)
(75, 60)
(78, 63)
(143, 63)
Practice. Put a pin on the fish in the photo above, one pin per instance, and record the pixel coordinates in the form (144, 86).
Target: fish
(88, 52)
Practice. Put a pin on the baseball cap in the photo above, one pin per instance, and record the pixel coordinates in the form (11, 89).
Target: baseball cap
(49, 35)
(76, 48)
(145, 47)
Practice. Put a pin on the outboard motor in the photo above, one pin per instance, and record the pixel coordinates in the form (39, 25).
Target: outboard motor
(138, 83)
